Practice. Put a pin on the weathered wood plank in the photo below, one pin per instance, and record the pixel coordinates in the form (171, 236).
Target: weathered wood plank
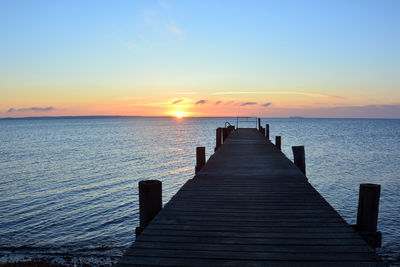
(254, 241)
(234, 234)
(269, 223)
(169, 261)
(246, 228)
(248, 255)
(254, 248)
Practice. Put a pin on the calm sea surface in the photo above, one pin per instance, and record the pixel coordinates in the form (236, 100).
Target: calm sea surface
(68, 187)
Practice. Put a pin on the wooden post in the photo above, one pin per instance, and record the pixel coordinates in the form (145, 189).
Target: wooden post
(278, 143)
(218, 139)
(230, 129)
(367, 214)
(368, 206)
(150, 202)
(259, 124)
(224, 134)
(200, 158)
(263, 130)
(299, 158)
(267, 131)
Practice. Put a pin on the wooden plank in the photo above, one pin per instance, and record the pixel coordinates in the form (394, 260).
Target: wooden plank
(169, 261)
(246, 228)
(248, 234)
(309, 222)
(253, 248)
(253, 218)
(248, 255)
(253, 241)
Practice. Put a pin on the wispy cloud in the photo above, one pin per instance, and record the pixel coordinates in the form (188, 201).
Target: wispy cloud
(124, 43)
(248, 103)
(218, 102)
(165, 5)
(174, 29)
(170, 25)
(306, 94)
(278, 93)
(266, 104)
(368, 111)
(153, 24)
(201, 102)
(176, 101)
(235, 93)
(30, 109)
(183, 93)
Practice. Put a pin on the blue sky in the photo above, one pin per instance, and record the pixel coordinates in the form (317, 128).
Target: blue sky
(83, 57)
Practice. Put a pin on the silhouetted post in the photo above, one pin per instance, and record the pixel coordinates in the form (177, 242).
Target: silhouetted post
(263, 130)
(367, 215)
(278, 142)
(267, 131)
(259, 124)
(150, 202)
(200, 158)
(224, 134)
(218, 139)
(230, 129)
(299, 158)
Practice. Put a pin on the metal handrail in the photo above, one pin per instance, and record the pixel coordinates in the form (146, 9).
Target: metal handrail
(227, 122)
(247, 120)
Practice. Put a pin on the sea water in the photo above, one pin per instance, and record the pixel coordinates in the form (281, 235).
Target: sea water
(68, 186)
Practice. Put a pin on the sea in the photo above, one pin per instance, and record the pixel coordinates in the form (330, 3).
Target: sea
(69, 186)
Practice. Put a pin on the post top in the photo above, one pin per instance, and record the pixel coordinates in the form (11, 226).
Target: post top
(149, 182)
(368, 185)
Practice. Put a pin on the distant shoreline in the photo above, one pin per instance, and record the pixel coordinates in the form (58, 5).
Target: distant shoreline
(128, 117)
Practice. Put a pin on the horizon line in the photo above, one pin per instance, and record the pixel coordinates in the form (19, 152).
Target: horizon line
(169, 116)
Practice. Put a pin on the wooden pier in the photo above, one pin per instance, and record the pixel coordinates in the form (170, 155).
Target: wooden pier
(249, 206)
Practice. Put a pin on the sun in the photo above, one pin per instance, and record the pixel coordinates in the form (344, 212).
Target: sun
(179, 114)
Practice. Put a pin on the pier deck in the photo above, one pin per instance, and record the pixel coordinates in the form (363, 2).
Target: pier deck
(249, 206)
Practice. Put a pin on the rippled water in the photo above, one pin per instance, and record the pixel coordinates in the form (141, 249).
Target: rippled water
(69, 186)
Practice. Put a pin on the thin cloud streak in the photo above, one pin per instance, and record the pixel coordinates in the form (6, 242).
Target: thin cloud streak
(201, 102)
(248, 103)
(174, 29)
(367, 111)
(266, 104)
(279, 93)
(171, 25)
(183, 93)
(236, 93)
(218, 102)
(30, 109)
(176, 101)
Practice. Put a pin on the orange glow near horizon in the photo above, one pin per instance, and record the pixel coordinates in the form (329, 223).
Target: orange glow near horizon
(179, 114)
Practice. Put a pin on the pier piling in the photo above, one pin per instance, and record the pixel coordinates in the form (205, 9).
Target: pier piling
(299, 158)
(200, 158)
(278, 142)
(218, 138)
(267, 131)
(150, 202)
(367, 215)
(224, 134)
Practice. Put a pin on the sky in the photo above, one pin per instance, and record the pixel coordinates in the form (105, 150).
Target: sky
(200, 58)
